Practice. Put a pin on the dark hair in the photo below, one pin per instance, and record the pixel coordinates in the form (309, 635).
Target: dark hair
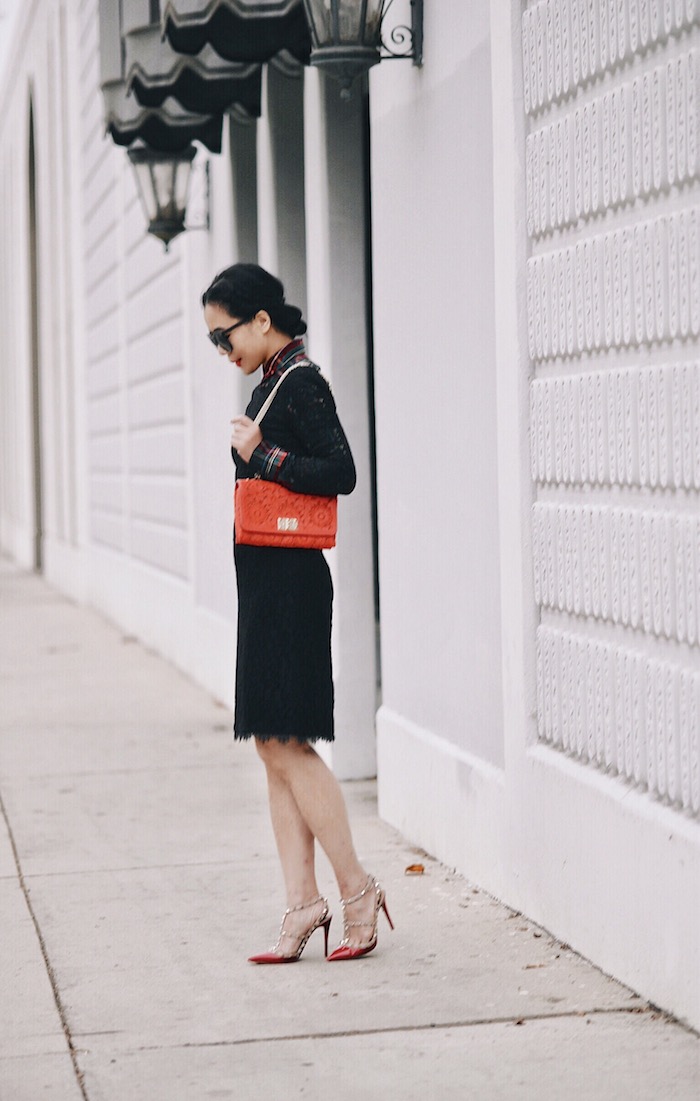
(243, 289)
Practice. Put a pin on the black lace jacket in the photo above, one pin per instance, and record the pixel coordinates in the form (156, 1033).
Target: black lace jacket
(304, 446)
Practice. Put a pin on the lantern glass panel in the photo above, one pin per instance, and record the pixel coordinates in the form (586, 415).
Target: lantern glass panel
(164, 177)
(183, 172)
(146, 190)
(345, 22)
(163, 184)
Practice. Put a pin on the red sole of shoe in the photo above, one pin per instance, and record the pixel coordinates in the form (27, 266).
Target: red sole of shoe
(273, 959)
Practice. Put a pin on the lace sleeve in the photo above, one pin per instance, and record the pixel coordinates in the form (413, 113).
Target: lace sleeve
(324, 462)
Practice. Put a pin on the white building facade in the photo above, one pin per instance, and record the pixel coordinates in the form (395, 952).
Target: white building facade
(498, 255)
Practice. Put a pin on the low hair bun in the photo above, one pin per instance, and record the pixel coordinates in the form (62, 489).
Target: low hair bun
(243, 289)
(288, 319)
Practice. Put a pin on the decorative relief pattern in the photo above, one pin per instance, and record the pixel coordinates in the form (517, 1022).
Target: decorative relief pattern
(625, 426)
(616, 168)
(623, 712)
(640, 568)
(632, 286)
(566, 44)
(640, 137)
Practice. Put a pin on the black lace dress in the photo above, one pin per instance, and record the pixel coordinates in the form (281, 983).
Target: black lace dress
(284, 685)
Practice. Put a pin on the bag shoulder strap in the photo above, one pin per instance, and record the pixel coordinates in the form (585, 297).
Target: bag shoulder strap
(271, 396)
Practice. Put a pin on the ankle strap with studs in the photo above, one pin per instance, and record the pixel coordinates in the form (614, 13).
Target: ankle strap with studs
(371, 882)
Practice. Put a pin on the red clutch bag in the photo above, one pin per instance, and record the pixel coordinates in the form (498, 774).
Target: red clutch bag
(268, 515)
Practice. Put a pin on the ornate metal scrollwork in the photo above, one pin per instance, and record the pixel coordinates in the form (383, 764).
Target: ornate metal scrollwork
(403, 41)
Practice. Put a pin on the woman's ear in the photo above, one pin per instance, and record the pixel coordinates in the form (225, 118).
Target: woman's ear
(264, 320)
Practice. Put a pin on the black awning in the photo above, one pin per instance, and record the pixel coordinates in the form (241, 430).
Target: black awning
(204, 84)
(168, 127)
(239, 30)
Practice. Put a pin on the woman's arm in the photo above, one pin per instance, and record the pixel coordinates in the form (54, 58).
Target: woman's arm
(326, 467)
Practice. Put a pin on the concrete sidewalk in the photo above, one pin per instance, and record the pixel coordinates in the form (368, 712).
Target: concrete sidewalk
(137, 872)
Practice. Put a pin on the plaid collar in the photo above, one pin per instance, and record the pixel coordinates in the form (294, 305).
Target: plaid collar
(284, 358)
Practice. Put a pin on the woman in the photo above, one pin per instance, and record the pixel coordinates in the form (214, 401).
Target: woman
(284, 687)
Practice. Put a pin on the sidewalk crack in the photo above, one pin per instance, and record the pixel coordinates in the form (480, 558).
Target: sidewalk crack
(440, 1026)
(45, 956)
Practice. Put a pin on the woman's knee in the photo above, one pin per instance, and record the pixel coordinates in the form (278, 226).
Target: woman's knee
(281, 756)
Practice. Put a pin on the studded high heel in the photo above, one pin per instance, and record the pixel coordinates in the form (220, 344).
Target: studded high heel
(323, 921)
(345, 951)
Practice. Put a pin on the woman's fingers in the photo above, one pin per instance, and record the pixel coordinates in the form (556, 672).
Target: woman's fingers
(245, 436)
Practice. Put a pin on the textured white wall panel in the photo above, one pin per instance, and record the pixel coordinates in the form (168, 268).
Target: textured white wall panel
(160, 547)
(136, 243)
(156, 302)
(631, 566)
(157, 402)
(134, 349)
(632, 426)
(161, 451)
(104, 414)
(102, 373)
(147, 263)
(106, 529)
(101, 321)
(153, 499)
(612, 90)
(98, 164)
(630, 287)
(567, 44)
(151, 355)
(89, 37)
(100, 261)
(103, 454)
(106, 525)
(616, 708)
(107, 494)
(629, 141)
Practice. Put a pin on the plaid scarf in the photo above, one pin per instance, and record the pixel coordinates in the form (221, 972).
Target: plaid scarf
(284, 358)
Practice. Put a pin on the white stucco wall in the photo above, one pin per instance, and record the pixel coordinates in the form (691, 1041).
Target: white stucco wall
(434, 339)
(135, 403)
(592, 830)
(38, 80)
(336, 260)
(159, 507)
(613, 322)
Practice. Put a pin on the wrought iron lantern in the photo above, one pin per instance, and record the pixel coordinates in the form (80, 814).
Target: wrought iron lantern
(163, 181)
(348, 37)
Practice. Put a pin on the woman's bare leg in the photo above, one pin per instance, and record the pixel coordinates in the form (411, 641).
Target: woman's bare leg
(298, 778)
(295, 842)
(295, 846)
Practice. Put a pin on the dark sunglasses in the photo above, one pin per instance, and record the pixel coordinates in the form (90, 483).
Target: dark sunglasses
(219, 337)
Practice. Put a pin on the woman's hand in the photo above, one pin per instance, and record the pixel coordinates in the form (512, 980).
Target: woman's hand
(245, 436)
